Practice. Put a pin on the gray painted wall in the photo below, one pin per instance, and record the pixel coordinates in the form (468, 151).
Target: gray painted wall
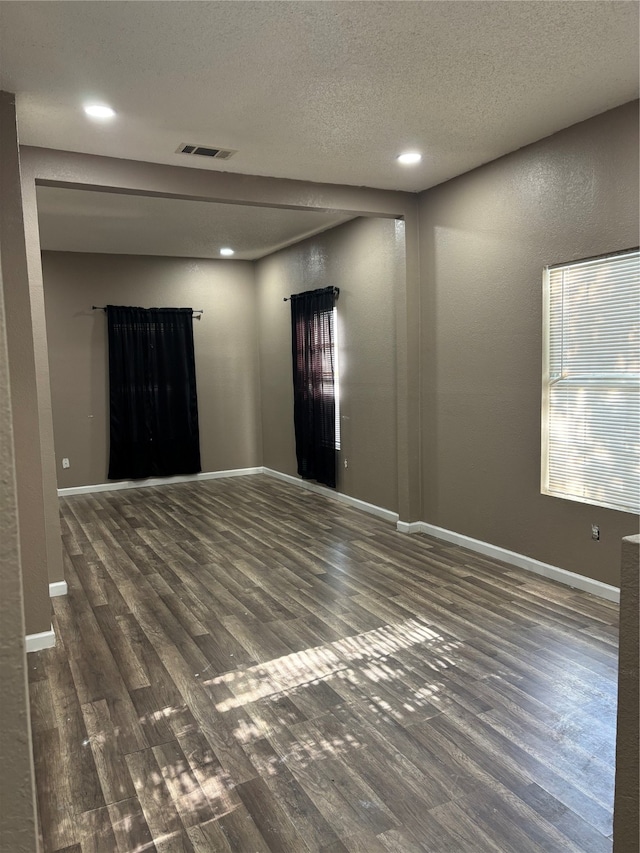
(17, 793)
(225, 341)
(365, 259)
(626, 818)
(20, 306)
(484, 240)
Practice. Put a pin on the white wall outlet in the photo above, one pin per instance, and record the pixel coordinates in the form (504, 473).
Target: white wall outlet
(65, 462)
(595, 532)
(346, 464)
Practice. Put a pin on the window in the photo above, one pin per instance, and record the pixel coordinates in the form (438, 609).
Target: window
(334, 359)
(153, 401)
(591, 381)
(314, 384)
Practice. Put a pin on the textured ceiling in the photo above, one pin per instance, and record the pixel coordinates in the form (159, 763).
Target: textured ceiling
(322, 91)
(84, 221)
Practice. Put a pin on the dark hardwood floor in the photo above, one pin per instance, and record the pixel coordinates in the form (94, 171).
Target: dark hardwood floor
(246, 666)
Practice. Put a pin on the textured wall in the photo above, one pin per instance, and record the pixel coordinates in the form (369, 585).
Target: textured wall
(365, 259)
(73, 170)
(484, 239)
(17, 796)
(24, 382)
(225, 346)
(43, 387)
(626, 824)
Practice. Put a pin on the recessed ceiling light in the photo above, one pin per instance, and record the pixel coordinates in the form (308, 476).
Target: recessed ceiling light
(99, 111)
(409, 158)
(227, 252)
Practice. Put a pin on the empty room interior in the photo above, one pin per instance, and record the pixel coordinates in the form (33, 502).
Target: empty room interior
(320, 456)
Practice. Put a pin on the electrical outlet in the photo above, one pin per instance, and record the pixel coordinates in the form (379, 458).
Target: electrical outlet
(346, 464)
(65, 462)
(595, 532)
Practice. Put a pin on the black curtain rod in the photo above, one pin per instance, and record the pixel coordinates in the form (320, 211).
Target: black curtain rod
(336, 293)
(104, 308)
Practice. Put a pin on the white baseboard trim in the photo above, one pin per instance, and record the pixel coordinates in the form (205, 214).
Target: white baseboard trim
(602, 590)
(410, 526)
(57, 588)
(43, 640)
(372, 509)
(156, 481)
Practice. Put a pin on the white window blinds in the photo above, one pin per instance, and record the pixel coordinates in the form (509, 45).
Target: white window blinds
(591, 382)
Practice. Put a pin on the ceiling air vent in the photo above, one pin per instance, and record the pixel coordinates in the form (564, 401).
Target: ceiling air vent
(206, 151)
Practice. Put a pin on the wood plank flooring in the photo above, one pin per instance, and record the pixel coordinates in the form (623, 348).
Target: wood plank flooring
(246, 666)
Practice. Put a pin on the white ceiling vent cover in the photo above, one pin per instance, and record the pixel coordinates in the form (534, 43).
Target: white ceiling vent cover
(206, 151)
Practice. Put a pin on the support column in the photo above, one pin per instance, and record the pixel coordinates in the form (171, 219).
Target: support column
(626, 823)
(408, 373)
(23, 378)
(17, 792)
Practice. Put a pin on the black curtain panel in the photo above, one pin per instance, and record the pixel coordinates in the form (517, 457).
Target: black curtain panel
(312, 335)
(152, 393)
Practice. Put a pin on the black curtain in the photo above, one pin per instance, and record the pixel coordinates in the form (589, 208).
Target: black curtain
(312, 335)
(152, 393)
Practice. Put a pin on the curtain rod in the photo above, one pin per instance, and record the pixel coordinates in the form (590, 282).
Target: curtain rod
(336, 293)
(196, 311)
